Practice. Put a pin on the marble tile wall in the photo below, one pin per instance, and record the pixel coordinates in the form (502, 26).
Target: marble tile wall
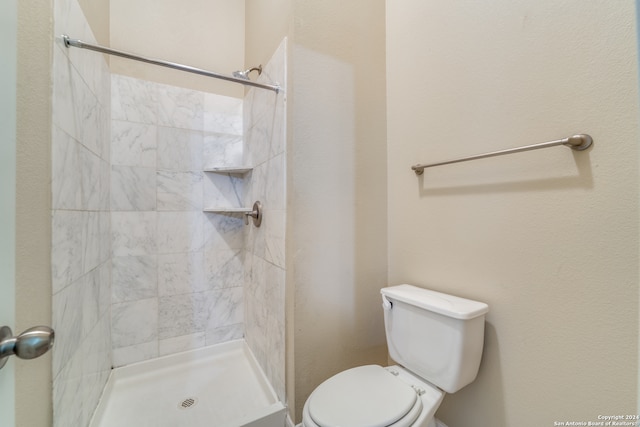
(177, 280)
(81, 253)
(265, 138)
(138, 269)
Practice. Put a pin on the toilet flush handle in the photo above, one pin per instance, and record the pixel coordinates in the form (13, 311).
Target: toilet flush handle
(386, 304)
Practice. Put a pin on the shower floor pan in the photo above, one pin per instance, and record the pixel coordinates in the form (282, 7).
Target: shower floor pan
(217, 386)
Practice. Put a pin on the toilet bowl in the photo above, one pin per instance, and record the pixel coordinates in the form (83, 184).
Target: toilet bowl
(371, 395)
(437, 341)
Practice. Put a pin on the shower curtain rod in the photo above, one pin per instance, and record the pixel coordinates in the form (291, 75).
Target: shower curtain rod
(69, 42)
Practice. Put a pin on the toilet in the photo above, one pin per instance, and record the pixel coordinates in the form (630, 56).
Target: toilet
(436, 340)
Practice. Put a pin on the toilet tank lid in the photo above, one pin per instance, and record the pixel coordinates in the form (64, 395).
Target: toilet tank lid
(447, 305)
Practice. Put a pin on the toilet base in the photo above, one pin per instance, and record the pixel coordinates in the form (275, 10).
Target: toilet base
(439, 423)
(435, 423)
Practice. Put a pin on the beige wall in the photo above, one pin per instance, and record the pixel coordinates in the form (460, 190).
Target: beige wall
(97, 13)
(549, 239)
(337, 189)
(207, 34)
(546, 238)
(8, 86)
(336, 232)
(267, 23)
(33, 206)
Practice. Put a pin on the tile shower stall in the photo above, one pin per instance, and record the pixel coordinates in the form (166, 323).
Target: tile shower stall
(139, 269)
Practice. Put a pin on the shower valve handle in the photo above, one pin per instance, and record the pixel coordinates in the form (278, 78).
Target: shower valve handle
(32, 343)
(256, 214)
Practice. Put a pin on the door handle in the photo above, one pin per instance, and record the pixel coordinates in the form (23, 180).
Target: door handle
(32, 343)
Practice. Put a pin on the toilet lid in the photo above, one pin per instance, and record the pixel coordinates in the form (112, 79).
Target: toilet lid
(366, 396)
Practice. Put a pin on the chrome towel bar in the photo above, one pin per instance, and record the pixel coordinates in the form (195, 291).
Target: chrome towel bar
(576, 142)
(69, 42)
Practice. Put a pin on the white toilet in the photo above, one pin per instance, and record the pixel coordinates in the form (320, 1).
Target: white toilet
(437, 341)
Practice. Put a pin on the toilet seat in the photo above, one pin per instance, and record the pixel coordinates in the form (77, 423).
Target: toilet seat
(366, 396)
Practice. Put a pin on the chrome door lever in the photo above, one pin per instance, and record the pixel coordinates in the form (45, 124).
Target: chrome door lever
(32, 343)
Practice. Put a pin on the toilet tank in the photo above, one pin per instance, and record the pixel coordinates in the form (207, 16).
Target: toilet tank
(436, 336)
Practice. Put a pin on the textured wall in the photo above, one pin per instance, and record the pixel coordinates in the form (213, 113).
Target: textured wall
(206, 34)
(98, 14)
(549, 239)
(8, 80)
(33, 203)
(266, 24)
(336, 183)
(338, 197)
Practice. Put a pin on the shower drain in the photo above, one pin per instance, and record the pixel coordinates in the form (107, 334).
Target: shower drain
(188, 403)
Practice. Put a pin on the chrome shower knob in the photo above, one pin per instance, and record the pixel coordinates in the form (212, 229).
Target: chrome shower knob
(256, 214)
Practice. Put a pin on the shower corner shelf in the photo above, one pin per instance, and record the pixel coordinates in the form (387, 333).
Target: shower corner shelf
(238, 170)
(228, 210)
(255, 213)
